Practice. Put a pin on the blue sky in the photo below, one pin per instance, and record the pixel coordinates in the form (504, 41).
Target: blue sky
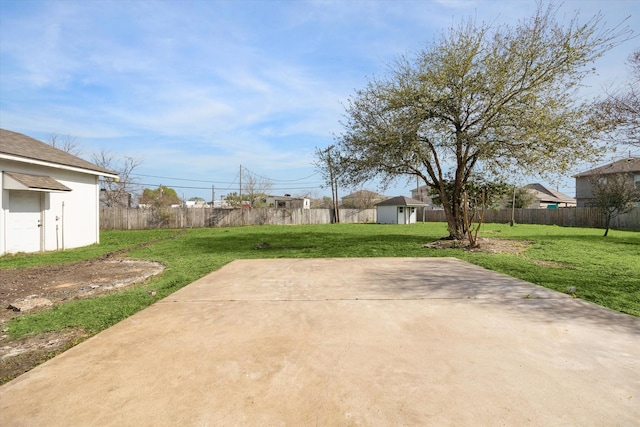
(195, 89)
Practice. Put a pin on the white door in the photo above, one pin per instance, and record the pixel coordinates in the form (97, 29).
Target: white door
(24, 222)
(401, 213)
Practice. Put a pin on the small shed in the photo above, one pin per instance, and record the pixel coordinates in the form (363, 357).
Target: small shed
(397, 210)
(49, 198)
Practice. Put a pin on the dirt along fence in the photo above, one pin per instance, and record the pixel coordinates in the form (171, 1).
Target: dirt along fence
(566, 217)
(116, 218)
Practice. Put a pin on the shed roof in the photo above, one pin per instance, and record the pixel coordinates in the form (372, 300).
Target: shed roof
(628, 165)
(24, 146)
(23, 181)
(401, 201)
(547, 194)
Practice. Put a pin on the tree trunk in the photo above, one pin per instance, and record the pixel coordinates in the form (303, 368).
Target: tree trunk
(452, 213)
(607, 223)
(455, 223)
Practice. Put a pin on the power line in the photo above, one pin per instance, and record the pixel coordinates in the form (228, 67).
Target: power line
(281, 185)
(180, 179)
(230, 188)
(223, 182)
(280, 180)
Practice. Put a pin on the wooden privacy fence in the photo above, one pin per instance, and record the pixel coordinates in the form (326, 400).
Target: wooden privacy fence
(567, 217)
(116, 218)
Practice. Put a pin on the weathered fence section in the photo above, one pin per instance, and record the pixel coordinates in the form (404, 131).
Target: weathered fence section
(567, 217)
(117, 218)
(135, 219)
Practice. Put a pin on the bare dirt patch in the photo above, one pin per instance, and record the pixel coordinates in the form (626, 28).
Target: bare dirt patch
(492, 246)
(28, 290)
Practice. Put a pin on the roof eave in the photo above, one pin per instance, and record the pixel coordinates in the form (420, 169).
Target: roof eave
(57, 165)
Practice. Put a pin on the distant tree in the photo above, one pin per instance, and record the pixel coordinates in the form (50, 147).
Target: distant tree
(619, 112)
(324, 202)
(160, 197)
(233, 199)
(119, 192)
(365, 200)
(65, 143)
(522, 196)
(502, 99)
(196, 199)
(255, 189)
(614, 194)
(160, 201)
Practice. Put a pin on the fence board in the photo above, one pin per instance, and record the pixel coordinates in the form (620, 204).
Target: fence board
(116, 218)
(567, 217)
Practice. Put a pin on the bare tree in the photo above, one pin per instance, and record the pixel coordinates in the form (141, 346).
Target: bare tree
(614, 194)
(364, 199)
(255, 189)
(619, 113)
(117, 192)
(65, 143)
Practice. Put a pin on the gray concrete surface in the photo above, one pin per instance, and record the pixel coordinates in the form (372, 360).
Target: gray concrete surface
(337, 342)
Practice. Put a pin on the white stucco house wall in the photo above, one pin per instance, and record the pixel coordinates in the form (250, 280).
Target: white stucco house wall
(50, 198)
(398, 210)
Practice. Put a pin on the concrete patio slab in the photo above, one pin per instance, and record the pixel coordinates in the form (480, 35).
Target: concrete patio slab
(373, 342)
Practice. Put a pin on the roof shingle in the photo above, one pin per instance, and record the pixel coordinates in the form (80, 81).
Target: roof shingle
(628, 165)
(548, 194)
(17, 144)
(38, 182)
(401, 201)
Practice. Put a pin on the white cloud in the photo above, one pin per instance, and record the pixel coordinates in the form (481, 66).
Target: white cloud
(199, 87)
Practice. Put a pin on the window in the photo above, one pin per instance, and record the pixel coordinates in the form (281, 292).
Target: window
(636, 179)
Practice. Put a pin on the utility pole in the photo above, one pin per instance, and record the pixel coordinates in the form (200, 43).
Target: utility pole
(213, 194)
(334, 187)
(513, 207)
(241, 206)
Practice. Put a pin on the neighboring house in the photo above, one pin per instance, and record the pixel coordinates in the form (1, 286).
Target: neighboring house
(221, 204)
(288, 202)
(423, 194)
(196, 204)
(397, 210)
(50, 198)
(630, 167)
(549, 198)
(362, 199)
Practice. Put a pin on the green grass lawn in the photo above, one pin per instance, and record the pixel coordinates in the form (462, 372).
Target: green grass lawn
(604, 270)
